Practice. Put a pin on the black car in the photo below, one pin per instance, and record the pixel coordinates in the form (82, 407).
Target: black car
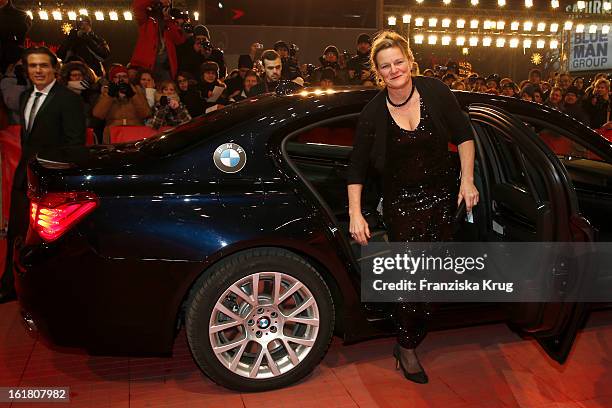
(235, 225)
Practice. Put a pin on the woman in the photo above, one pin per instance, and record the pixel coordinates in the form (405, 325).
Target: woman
(579, 84)
(403, 135)
(147, 82)
(597, 103)
(168, 110)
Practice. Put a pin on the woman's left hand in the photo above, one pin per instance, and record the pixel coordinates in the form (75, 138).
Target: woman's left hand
(469, 193)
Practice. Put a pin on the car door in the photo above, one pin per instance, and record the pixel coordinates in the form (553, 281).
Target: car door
(531, 199)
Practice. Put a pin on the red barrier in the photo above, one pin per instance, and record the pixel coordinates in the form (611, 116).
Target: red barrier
(607, 133)
(10, 149)
(90, 137)
(124, 134)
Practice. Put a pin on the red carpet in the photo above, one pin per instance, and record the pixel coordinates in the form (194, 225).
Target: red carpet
(486, 366)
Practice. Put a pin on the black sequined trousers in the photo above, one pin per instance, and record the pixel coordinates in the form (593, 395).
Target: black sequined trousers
(419, 201)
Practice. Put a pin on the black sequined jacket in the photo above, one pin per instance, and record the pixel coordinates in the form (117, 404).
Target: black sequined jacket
(370, 136)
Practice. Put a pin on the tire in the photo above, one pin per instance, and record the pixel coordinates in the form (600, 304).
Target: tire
(261, 344)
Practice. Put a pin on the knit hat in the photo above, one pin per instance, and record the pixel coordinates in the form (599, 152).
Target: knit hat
(117, 69)
(209, 66)
(245, 61)
(572, 89)
(364, 38)
(201, 30)
(332, 49)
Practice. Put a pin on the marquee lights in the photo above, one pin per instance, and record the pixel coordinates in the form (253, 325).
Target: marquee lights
(72, 15)
(501, 3)
(473, 41)
(500, 42)
(527, 43)
(419, 21)
(486, 42)
(446, 23)
(418, 39)
(580, 28)
(433, 22)
(514, 42)
(391, 20)
(432, 39)
(446, 2)
(43, 15)
(541, 26)
(554, 44)
(554, 4)
(607, 6)
(554, 27)
(113, 15)
(127, 15)
(30, 14)
(568, 25)
(406, 18)
(581, 5)
(461, 23)
(540, 44)
(605, 29)
(474, 2)
(446, 40)
(57, 15)
(83, 12)
(460, 41)
(514, 26)
(592, 28)
(527, 26)
(474, 24)
(529, 3)
(99, 15)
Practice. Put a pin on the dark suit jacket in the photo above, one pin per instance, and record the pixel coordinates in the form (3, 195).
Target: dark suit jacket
(369, 145)
(60, 121)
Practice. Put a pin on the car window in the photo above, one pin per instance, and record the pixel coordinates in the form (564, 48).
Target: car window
(509, 157)
(339, 133)
(564, 147)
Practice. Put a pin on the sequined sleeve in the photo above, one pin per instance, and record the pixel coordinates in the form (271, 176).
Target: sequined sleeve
(363, 142)
(456, 122)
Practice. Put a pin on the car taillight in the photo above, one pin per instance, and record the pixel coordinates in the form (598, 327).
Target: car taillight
(55, 213)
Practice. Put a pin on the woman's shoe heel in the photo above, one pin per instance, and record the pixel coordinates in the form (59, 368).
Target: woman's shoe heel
(419, 378)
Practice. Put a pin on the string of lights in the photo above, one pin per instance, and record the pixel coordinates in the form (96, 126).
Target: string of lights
(100, 15)
(554, 4)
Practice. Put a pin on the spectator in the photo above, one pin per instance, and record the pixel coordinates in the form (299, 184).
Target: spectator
(85, 44)
(493, 83)
(415, 70)
(545, 88)
(14, 25)
(579, 84)
(273, 67)
(158, 36)
(288, 56)
(504, 81)
(198, 50)
(12, 85)
(146, 80)
(82, 80)
(449, 79)
(458, 85)
(121, 103)
(188, 94)
(555, 99)
(527, 93)
(134, 73)
(597, 103)
(510, 89)
(235, 80)
(251, 79)
(535, 77)
(564, 81)
(480, 85)
(537, 95)
(253, 56)
(429, 73)
(328, 76)
(572, 107)
(210, 88)
(361, 61)
(169, 111)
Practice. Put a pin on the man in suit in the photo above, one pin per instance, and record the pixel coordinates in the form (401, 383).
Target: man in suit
(52, 116)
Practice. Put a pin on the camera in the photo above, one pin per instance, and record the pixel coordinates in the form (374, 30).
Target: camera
(187, 27)
(122, 87)
(156, 9)
(205, 44)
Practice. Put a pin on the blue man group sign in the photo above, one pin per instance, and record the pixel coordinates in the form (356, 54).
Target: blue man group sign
(590, 52)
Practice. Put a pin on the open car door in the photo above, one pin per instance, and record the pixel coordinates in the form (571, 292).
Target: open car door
(530, 198)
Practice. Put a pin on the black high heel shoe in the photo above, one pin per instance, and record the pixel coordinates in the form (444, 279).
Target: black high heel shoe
(419, 378)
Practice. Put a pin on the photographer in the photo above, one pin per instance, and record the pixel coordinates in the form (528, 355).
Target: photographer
(359, 65)
(158, 36)
(14, 25)
(169, 111)
(83, 43)
(198, 50)
(330, 59)
(288, 55)
(121, 103)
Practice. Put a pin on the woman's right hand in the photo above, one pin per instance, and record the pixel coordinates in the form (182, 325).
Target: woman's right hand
(359, 229)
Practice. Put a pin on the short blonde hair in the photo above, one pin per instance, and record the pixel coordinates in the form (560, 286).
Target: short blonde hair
(385, 40)
(602, 81)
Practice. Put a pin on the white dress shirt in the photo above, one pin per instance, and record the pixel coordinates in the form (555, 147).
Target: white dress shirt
(41, 100)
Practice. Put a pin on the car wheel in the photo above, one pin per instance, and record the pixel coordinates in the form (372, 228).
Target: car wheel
(261, 319)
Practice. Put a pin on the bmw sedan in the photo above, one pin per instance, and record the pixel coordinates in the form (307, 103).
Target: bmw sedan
(235, 227)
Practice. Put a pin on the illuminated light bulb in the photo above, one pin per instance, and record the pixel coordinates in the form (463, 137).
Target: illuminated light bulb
(72, 15)
(460, 41)
(83, 12)
(554, 27)
(554, 44)
(30, 14)
(500, 42)
(113, 15)
(515, 25)
(446, 40)
(607, 6)
(501, 3)
(527, 25)
(461, 23)
(432, 39)
(605, 29)
(406, 18)
(446, 22)
(529, 3)
(554, 4)
(526, 43)
(514, 42)
(418, 39)
(419, 21)
(43, 15)
(486, 41)
(57, 15)
(581, 5)
(501, 25)
(474, 24)
(391, 20)
(419, 1)
(473, 41)
(541, 26)
(127, 15)
(580, 28)
(446, 2)
(474, 2)
(99, 15)
(592, 28)
(433, 22)
(540, 44)
(196, 15)
(465, 51)
(486, 24)
(568, 25)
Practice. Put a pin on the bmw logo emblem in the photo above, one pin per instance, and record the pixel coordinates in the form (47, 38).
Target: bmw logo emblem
(263, 323)
(229, 158)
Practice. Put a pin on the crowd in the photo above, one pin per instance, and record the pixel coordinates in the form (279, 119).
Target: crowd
(176, 73)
